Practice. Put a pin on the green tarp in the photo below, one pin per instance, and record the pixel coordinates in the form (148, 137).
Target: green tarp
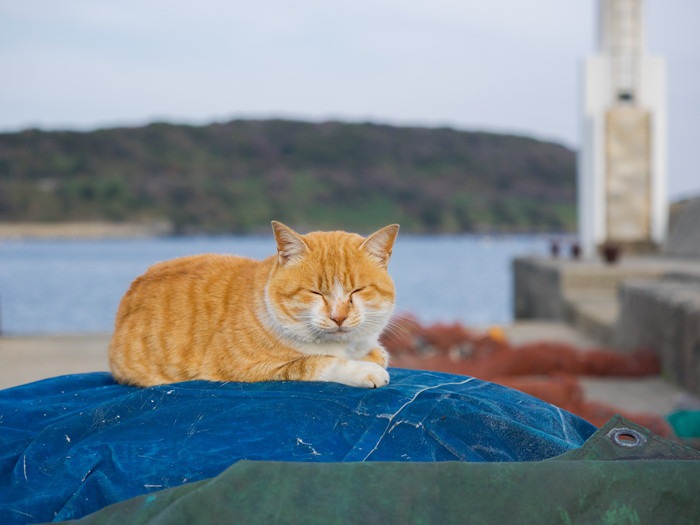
(623, 474)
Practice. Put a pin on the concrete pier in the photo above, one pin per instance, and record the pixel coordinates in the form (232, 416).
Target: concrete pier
(24, 359)
(639, 302)
(31, 358)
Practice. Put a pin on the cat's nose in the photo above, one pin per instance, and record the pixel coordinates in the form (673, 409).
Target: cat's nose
(339, 312)
(339, 318)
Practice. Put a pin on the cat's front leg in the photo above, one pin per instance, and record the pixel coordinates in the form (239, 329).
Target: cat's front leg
(377, 355)
(363, 374)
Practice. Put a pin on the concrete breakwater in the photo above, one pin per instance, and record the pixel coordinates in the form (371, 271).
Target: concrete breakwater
(648, 302)
(640, 302)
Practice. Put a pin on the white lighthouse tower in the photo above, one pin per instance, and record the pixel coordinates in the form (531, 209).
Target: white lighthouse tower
(622, 163)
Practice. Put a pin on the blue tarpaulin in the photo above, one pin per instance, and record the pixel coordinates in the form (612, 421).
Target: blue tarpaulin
(74, 444)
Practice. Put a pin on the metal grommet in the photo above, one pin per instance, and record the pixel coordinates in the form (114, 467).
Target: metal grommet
(627, 437)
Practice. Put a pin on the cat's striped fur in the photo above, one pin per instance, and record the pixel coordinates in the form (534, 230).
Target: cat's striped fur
(313, 312)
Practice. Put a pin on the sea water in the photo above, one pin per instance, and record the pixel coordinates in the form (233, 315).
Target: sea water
(74, 286)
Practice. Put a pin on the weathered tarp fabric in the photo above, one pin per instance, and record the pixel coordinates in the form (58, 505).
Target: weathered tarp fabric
(622, 475)
(74, 444)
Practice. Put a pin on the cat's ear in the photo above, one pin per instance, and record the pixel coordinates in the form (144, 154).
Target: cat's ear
(290, 245)
(379, 245)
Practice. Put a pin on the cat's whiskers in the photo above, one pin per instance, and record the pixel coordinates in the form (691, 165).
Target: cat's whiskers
(306, 329)
(397, 334)
(397, 331)
(376, 319)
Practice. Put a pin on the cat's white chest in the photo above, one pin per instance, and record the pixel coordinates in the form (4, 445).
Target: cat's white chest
(345, 349)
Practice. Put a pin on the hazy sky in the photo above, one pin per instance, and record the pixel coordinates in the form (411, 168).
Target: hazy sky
(499, 65)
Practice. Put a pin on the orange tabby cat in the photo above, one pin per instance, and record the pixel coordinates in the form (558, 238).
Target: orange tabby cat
(313, 312)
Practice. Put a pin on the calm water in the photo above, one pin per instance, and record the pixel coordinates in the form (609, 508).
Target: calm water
(75, 286)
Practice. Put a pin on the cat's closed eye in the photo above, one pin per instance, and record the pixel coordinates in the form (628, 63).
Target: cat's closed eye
(358, 290)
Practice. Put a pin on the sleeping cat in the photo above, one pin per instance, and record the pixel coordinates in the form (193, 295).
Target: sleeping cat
(313, 312)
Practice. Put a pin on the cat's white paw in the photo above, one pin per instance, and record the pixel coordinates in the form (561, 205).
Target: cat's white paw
(356, 373)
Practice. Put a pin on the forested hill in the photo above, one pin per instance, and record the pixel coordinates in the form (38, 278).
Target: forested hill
(237, 176)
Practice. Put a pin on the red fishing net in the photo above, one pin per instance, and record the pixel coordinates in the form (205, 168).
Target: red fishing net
(548, 370)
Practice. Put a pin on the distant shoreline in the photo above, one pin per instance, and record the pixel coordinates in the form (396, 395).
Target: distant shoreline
(113, 230)
(81, 230)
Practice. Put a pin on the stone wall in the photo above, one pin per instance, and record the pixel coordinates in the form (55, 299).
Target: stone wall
(684, 230)
(537, 292)
(663, 316)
